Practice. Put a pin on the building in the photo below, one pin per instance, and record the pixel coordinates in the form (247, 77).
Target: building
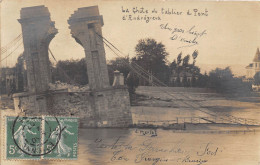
(254, 67)
(7, 80)
(184, 78)
(13, 79)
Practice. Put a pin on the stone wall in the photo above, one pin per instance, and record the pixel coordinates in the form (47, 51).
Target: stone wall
(113, 107)
(109, 107)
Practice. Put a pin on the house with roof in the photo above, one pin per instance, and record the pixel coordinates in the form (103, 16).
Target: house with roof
(254, 67)
(182, 76)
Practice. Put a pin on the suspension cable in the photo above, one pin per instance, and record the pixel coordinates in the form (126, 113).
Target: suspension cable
(139, 68)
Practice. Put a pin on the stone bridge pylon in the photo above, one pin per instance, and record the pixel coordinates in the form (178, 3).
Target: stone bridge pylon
(85, 24)
(38, 31)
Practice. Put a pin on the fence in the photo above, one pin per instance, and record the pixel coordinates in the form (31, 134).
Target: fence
(198, 120)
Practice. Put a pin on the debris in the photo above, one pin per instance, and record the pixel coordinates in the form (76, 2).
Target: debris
(71, 88)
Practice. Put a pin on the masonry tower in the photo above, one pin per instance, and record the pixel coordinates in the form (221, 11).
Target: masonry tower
(85, 25)
(38, 31)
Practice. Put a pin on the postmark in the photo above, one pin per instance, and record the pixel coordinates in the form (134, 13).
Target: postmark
(23, 137)
(36, 138)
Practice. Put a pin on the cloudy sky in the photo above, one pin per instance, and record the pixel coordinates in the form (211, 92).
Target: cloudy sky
(226, 33)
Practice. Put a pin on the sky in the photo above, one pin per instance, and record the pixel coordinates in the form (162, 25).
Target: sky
(225, 33)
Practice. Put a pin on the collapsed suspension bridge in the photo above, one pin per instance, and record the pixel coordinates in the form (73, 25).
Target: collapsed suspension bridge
(222, 117)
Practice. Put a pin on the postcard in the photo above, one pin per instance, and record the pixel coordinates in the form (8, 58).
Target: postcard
(129, 82)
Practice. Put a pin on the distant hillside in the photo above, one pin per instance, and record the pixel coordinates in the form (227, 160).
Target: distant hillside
(237, 69)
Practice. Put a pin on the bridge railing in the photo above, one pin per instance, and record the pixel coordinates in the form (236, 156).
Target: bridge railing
(198, 120)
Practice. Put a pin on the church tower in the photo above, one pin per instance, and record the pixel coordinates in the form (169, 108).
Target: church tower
(257, 59)
(254, 67)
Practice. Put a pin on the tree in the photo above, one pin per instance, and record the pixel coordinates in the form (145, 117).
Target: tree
(185, 81)
(21, 78)
(71, 71)
(194, 56)
(202, 80)
(218, 77)
(185, 62)
(151, 55)
(223, 81)
(173, 66)
(132, 82)
(181, 67)
(257, 78)
(120, 64)
(179, 59)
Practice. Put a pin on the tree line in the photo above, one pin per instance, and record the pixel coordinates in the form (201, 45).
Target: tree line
(152, 57)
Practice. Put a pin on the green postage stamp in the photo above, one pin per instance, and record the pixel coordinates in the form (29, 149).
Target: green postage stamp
(43, 137)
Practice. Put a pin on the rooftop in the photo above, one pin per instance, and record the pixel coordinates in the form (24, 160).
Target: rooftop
(257, 56)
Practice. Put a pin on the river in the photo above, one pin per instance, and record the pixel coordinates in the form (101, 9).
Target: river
(209, 145)
(132, 146)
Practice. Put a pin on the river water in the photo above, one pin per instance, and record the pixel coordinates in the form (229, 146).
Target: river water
(129, 146)
(214, 145)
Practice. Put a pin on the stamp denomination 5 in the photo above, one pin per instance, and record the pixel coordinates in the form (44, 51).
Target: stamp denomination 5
(41, 137)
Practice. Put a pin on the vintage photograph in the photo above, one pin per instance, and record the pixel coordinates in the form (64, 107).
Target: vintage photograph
(107, 82)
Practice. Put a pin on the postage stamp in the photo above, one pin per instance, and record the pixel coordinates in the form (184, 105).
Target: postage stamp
(23, 137)
(45, 137)
(64, 133)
